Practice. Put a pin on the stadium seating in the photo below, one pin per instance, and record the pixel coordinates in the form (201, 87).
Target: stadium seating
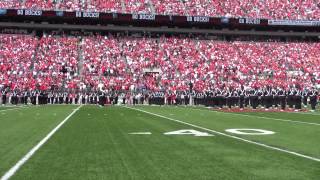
(27, 62)
(11, 4)
(16, 56)
(104, 6)
(127, 63)
(138, 6)
(39, 4)
(206, 63)
(169, 7)
(270, 9)
(56, 60)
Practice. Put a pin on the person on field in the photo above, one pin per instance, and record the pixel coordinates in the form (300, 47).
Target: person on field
(242, 94)
(298, 100)
(282, 99)
(102, 98)
(313, 99)
(4, 96)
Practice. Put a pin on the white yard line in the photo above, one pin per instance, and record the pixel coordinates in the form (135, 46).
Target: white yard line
(26, 157)
(230, 136)
(274, 119)
(307, 113)
(261, 117)
(12, 109)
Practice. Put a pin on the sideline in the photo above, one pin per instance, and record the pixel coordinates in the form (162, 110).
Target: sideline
(261, 117)
(10, 109)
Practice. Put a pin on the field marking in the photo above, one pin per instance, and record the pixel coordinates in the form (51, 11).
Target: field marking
(230, 136)
(140, 133)
(274, 119)
(308, 113)
(257, 132)
(261, 117)
(12, 109)
(189, 132)
(26, 157)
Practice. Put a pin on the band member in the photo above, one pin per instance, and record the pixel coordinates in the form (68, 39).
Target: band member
(14, 97)
(66, 97)
(61, 97)
(71, 98)
(33, 97)
(82, 98)
(282, 98)
(45, 97)
(267, 98)
(313, 99)
(229, 98)
(51, 97)
(247, 98)
(116, 97)
(235, 98)
(260, 97)
(219, 98)
(4, 96)
(290, 97)
(95, 98)
(275, 97)
(298, 98)
(56, 98)
(242, 96)
(77, 98)
(25, 97)
(305, 96)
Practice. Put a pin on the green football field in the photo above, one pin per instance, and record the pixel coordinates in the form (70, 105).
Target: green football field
(152, 142)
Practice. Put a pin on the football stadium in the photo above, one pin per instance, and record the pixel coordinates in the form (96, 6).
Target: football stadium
(159, 89)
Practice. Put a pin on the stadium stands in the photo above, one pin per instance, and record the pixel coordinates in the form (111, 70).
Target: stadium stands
(27, 62)
(154, 63)
(270, 9)
(104, 6)
(138, 6)
(122, 62)
(11, 4)
(39, 4)
(56, 60)
(206, 63)
(16, 56)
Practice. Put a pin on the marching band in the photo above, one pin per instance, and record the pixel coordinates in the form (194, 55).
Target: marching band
(229, 98)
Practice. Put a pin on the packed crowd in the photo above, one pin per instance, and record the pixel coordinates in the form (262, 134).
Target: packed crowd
(270, 9)
(56, 61)
(28, 62)
(16, 61)
(172, 63)
(154, 64)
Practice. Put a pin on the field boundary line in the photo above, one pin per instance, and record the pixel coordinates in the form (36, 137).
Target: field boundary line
(230, 136)
(308, 113)
(26, 157)
(10, 109)
(275, 119)
(261, 117)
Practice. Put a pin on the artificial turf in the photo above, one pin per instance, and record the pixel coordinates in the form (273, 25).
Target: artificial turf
(95, 144)
(3, 108)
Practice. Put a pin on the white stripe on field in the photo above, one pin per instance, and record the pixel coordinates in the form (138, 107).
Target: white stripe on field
(12, 109)
(230, 136)
(274, 119)
(141, 133)
(26, 157)
(307, 113)
(261, 117)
